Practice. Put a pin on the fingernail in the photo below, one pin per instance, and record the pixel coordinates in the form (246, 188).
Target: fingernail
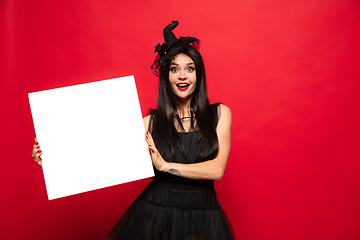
(37, 147)
(40, 151)
(149, 145)
(37, 143)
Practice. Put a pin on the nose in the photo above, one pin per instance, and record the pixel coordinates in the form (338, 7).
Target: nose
(183, 74)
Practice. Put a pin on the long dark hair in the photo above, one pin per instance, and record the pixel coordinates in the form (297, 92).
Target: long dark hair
(163, 128)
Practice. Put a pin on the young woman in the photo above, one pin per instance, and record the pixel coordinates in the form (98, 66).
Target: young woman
(189, 141)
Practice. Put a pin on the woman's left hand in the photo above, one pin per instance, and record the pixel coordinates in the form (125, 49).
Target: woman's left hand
(156, 158)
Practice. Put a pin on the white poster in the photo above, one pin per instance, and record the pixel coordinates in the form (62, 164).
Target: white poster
(91, 135)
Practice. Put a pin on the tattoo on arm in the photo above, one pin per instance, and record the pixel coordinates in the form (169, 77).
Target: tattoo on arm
(174, 171)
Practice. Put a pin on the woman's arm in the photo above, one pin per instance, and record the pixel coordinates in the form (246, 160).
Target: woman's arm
(210, 170)
(146, 122)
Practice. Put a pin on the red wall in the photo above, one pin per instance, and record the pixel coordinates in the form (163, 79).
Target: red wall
(289, 70)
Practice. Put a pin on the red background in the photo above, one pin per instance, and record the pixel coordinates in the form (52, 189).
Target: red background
(289, 70)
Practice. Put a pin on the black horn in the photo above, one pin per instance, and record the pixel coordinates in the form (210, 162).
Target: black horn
(169, 36)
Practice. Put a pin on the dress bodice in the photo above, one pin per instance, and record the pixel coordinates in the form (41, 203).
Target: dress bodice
(192, 145)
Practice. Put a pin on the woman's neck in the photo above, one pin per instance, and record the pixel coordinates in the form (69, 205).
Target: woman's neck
(184, 109)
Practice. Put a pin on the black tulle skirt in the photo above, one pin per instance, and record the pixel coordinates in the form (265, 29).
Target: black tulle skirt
(170, 211)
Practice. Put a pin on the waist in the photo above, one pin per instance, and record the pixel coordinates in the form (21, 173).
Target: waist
(180, 195)
(186, 185)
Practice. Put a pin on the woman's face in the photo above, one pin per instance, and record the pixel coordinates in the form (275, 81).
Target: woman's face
(182, 76)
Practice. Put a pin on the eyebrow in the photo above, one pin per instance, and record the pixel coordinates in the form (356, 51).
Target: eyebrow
(191, 63)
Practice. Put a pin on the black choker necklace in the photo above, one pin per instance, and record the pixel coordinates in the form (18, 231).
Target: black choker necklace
(184, 118)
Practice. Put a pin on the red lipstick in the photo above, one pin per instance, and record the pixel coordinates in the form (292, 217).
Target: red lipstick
(182, 86)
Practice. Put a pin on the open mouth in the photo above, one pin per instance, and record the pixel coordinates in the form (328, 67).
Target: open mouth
(182, 86)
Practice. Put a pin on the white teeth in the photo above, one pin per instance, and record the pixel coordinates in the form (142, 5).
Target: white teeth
(182, 84)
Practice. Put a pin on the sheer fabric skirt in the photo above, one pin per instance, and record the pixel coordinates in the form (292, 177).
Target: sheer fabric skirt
(170, 211)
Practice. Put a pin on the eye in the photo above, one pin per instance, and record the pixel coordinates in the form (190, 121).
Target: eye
(190, 69)
(173, 70)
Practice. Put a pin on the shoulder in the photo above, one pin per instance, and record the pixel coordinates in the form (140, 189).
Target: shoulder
(224, 109)
(146, 122)
(149, 118)
(224, 114)
(221, 108)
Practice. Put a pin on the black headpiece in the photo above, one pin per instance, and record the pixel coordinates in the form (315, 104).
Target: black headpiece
(171, 47)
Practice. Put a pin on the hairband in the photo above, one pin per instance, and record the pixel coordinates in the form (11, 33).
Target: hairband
(171, 47)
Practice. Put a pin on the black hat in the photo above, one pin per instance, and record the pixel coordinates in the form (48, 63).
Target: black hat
(171, 47)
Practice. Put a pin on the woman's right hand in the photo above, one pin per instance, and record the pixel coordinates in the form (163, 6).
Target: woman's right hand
(36, 153)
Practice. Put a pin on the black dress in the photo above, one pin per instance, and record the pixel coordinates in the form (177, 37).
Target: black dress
(176, 208)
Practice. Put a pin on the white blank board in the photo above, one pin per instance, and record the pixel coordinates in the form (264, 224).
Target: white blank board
(91, 135)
